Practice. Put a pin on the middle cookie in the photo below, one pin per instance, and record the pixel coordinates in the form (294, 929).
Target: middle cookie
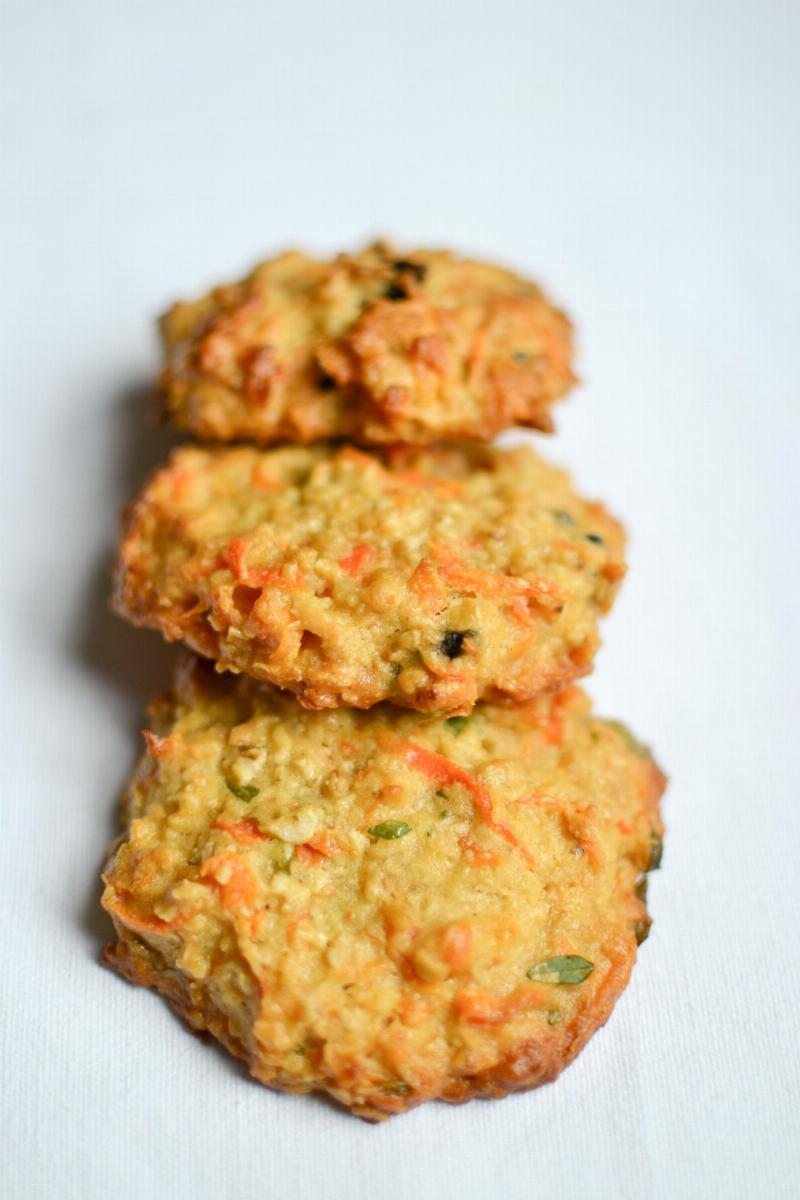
(431, 578)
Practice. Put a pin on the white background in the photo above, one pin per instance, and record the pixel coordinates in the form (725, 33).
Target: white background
(642, 160)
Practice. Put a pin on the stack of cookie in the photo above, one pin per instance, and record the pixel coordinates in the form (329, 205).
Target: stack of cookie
(378, 845)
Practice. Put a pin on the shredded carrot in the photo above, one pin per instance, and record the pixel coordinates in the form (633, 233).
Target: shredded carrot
(257, 920)
(562, 704)
(539, 800)
(327, 844)
(519, 610)
(526, 997)
(157, 746)
(457, 945)
(247, 831)
(307, 856)
(252, 577)
(442, 771)
(427, 587)
(459, 574)
(477, 1007)
(475, 856)
(235, 554)
(234, 879)
(358, 559)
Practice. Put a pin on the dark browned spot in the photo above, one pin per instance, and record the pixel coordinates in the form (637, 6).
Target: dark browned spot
(452, 643)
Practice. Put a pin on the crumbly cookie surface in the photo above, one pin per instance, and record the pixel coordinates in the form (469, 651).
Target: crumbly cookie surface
(384, 906)
(432, 578)
(376, 347)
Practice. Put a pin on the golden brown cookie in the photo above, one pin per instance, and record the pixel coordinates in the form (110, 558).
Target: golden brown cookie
(432, 578)
(384, 906)
(375, 346)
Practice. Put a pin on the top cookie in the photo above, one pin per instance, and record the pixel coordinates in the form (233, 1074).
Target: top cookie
(431, 578)
(375, 347)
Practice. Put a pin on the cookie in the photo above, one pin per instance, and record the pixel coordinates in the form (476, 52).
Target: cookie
(431, 578)
(376, 347)
(384, 906)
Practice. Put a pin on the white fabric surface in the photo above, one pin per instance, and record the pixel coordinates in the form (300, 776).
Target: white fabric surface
(642, 159)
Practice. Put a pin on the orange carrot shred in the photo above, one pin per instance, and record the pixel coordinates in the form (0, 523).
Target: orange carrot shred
(478, 1007)
(157, 746)
(441, 770)
(457, 945)
(459, 574)
(239, 890)
(427, 586)
(327, 844)
(247, 831)
(475, 856)
(357, 560)
(307, 856)
(258, 576)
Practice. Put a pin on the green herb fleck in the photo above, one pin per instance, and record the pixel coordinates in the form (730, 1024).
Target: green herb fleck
(244, 792)
(442, 814)
(553, 1017)
(390, 830)
(656, 850)
(520, 356)
(564, 968)
(595, 537)
(283, 866)
(396, 1087)
(457, 724)
(301, 1048)
(563, 517)
(641, 889)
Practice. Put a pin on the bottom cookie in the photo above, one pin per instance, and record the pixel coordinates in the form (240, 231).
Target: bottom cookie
(383, 905)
